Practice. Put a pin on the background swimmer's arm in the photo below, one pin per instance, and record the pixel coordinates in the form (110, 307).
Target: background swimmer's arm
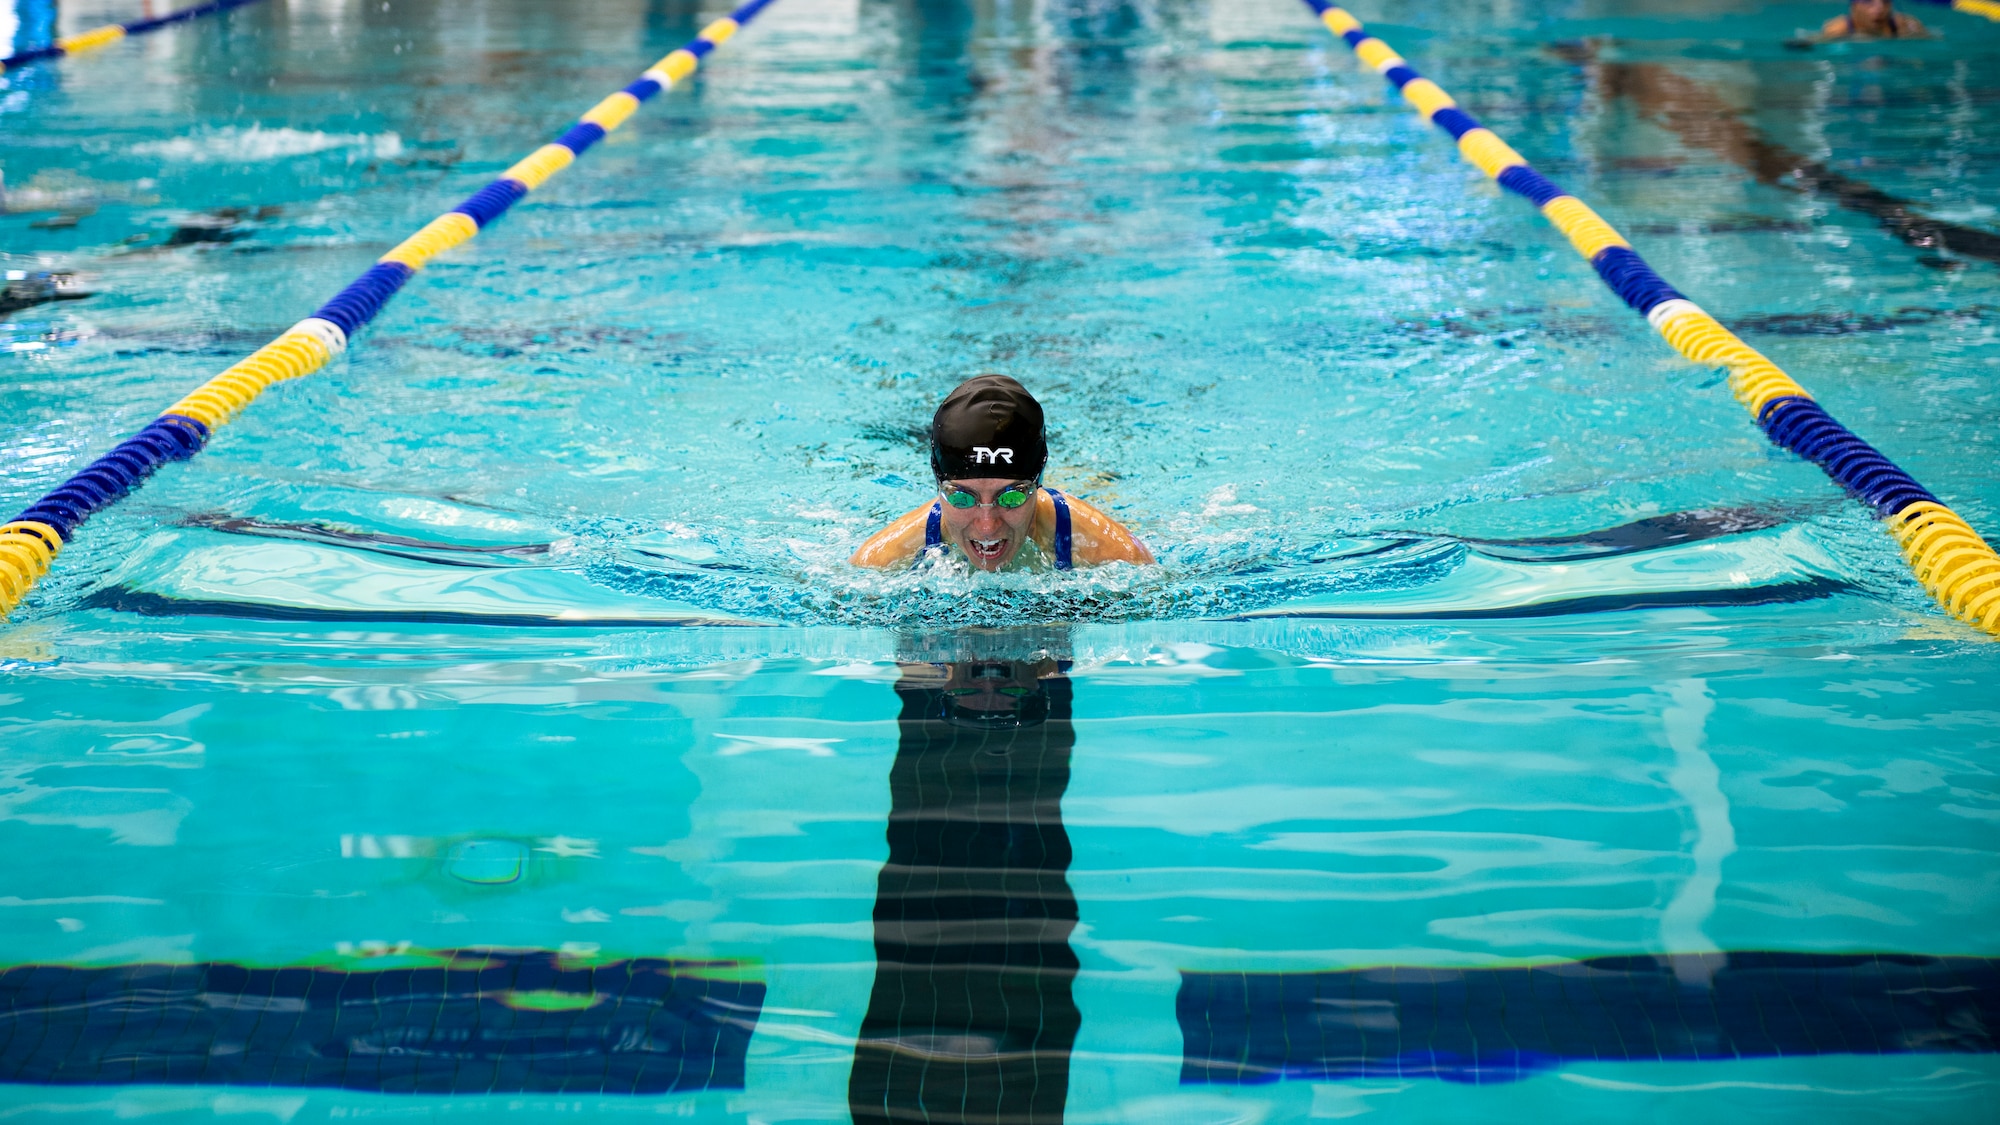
(1095, 538)
(896, 544)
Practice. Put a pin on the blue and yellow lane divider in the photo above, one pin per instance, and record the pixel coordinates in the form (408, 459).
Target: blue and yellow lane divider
(1987, 8)
(1947, 556)
(30, 543)
(112, 32)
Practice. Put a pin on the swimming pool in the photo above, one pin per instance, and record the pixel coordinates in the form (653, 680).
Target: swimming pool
(1503, 692)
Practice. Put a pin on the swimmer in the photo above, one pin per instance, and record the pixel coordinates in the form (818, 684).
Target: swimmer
(988, 450)
(1871, 19)
(1705, 118)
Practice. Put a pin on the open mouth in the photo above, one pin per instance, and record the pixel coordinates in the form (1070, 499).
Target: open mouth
(987, 550)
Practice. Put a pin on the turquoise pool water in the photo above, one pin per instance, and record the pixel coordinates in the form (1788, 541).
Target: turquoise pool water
(1487, 634)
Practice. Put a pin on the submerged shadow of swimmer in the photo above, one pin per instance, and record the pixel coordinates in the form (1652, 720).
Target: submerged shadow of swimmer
(23, 289)
(971, 1017)
(381, 543)
(1394, 557)
(1704, 119)
(1648, 534)
(488, 556)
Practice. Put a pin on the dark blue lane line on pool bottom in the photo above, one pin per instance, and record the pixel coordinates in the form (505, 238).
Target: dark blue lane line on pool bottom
(486, 1023)
(1500, 1025)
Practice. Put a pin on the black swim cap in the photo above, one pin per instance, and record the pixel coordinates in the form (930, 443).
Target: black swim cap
(989, 427)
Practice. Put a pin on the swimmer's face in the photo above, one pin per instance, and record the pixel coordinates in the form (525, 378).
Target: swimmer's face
(1869, 15)
(989, 534)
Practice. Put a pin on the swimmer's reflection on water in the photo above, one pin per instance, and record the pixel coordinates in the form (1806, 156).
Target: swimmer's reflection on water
(971, 1018)
(995, 696)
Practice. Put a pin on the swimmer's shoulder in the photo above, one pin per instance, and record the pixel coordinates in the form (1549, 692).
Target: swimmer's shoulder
(1840, 27)
(896, 544)
(1095, 538)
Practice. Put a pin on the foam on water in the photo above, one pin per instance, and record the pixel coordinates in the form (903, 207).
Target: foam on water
(255, 143)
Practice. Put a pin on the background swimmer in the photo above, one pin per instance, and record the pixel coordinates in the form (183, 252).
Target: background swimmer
(988, 450)
(1871, 19)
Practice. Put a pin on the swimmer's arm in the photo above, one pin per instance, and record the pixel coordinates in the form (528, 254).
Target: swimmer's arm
(1837, 28)
(1095, 538)
(896, 544)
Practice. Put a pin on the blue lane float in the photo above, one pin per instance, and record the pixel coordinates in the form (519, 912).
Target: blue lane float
(1948, 557)
(29, 544)
(1987, 8)
(112, 32)
(169, 438)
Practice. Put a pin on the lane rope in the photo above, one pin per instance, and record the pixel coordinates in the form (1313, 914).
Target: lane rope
(1988, 8)
(31, 541)
(112, 32)
(1952, 562)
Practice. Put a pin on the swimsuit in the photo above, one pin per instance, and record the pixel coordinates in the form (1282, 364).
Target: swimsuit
(1895, 27)
(934, 531)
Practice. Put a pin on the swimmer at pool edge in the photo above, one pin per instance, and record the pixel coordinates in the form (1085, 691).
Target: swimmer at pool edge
(988, 450)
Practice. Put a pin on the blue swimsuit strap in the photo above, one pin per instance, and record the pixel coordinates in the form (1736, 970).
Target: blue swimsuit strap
(1063, 558)
(934, 530)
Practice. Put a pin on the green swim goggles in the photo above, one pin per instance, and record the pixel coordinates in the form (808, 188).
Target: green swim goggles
(1012, 497)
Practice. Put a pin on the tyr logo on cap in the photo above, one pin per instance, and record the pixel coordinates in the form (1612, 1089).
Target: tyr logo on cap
(987, 422)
